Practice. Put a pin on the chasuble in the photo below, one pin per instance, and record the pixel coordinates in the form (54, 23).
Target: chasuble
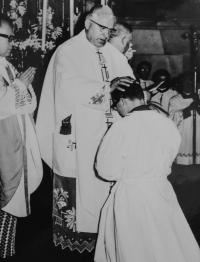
(77, 85)
(20, 161)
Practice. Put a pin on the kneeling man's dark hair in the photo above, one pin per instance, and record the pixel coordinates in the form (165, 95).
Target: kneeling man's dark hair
(134, 91)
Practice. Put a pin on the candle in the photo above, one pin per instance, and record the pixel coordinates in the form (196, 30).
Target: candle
(63, 12)
(39, 5)
(76, 10)
(102, 2)
(2, 6)
(44, 21)
(71, 18)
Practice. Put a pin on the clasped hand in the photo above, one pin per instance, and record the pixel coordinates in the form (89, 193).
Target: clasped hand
(27, 77)
(120, 82)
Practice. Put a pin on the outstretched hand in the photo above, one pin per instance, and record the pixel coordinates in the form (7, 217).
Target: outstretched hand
(120, 82)
(27, 77)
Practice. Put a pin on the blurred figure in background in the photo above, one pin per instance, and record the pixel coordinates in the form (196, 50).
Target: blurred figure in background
(122, 37)
(163, 93)
(143, 71)
(181, 109)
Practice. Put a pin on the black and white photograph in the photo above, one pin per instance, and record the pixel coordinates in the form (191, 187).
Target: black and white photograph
(100, 130)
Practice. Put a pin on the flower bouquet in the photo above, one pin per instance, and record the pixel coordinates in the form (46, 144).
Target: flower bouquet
(27, 43)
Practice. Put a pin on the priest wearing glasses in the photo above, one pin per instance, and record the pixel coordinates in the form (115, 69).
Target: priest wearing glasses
(20, 161)
(74, 114)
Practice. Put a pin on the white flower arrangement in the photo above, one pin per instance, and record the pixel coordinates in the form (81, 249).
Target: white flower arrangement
(17, 11)
(129, 52)
(33, 40)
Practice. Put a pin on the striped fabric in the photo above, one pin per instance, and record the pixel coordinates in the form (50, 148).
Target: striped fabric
(7, 234)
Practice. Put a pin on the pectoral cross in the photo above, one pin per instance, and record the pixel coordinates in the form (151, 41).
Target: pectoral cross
(105, 76)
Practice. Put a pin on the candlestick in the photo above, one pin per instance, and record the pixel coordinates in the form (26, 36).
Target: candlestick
(71, 18)
(44, 21)
(63, 13)
(2, 9)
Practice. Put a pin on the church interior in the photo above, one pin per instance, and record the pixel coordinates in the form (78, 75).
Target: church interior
(164, 33)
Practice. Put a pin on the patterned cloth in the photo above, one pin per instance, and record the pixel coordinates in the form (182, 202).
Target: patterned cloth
(64, 217)
(64, 199)
(7, 234)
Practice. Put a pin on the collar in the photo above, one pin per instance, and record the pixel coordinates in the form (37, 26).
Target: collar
(3, 61)
(185, 96)
(163, 90)
(139, 108)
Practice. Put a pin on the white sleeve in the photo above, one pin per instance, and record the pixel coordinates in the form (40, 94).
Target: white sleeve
(15, 99)
(176, 113)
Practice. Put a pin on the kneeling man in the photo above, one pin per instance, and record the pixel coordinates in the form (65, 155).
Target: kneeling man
(141, 220)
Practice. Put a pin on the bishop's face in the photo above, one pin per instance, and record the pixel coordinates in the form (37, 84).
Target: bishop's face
(5, 44)
(98, 30)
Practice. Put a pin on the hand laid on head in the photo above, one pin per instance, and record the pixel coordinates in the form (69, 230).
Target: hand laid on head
(120, 82)
(27, 77)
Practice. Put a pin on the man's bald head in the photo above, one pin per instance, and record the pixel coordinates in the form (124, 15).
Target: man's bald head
(100, 12)
(89, 4)
(122, 37)
(99, 24)
(5, 23)
(5, 19)
(122, 29)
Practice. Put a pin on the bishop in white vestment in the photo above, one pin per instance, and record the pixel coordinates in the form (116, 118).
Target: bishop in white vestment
(72, 118)
(181, 112)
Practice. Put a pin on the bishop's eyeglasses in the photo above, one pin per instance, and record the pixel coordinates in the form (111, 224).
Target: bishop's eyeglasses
(110, 31)
(10, 37)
